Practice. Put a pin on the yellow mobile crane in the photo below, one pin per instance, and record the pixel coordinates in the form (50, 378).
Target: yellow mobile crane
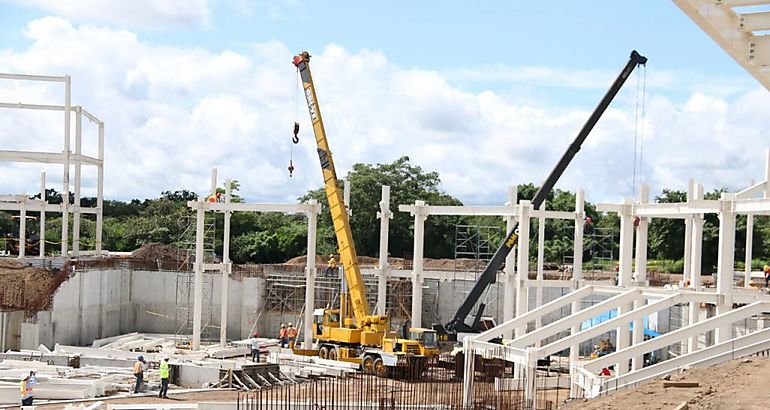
(364, 338)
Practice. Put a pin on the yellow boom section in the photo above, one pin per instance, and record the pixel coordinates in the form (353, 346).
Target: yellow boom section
(339, 214)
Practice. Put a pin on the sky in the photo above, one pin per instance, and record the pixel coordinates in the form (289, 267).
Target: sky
(488, 94)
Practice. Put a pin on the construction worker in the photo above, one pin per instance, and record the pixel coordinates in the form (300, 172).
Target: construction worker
(766, 269)
(255, 348)
(164, 373)
(26, 389)
(331, 266)
(139, 372)
(291, 333)
(282, 336)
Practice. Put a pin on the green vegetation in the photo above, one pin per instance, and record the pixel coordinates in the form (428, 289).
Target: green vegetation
(275, 238)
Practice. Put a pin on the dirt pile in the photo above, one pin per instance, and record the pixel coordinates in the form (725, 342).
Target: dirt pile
(157, 251)
(401, 263)
(739, 384)
(27, 288)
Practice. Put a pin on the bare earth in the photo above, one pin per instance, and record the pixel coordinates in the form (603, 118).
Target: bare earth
(740, 384)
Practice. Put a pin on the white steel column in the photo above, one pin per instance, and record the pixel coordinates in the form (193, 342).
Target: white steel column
(697, 241)
(688, 222)
(509, 290)
(749, 246)
(419, 238)
(66, 167)
(100, 191)
(540, 260)
(641, 238)
(23, 230)
(198, 267)
(577, 277)
(626, 243)
(41, 245)
(523, 262)
(76, 204)
(725, 263)
(310, 273)
(384, 267)
(695, 270)
(637, 362)
(577, 253)
(624, 274)
(226, 269)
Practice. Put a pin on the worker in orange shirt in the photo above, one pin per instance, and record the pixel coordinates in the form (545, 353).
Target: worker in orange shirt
(282, 336)
(139, 372)
(291, 333)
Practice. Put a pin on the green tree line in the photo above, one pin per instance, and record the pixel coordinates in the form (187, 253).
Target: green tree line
(276, 237)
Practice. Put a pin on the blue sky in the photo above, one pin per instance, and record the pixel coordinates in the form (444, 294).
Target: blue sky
(516, 79)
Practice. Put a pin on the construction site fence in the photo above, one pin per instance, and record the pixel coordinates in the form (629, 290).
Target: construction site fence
(440, 386)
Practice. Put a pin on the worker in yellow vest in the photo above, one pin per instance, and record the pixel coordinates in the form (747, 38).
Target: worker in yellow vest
(164, 378)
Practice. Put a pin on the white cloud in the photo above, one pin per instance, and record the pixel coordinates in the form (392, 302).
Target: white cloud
(172, 113)
(134, 13)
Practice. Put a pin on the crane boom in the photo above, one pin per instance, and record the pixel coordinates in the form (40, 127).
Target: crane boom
(358, 303)
(488, 276)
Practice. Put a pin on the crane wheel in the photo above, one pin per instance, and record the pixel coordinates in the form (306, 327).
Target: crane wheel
(368, 365)
(323, 352)
(332, 353)
(380, 369)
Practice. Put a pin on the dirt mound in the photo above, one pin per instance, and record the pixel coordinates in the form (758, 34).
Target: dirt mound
(738, 384)
(157, 251)
(27, 288)
(400, 263)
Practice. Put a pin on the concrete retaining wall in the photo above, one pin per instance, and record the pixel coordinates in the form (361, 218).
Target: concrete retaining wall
(100, 303)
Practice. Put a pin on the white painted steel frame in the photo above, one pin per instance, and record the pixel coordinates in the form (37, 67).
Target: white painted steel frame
(66, 157)
(201, 206)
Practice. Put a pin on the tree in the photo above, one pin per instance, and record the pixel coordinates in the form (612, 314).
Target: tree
(408, 183)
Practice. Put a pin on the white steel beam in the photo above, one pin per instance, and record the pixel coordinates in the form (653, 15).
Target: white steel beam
(676, 336)
(732, 349)
(620, 320)
(243, 207)
(32, 77)
(576, 318)
(722, 24)
(759, 21)
(540, 311)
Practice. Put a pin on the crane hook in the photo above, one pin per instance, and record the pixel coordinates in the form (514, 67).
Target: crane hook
(295, 138)
(290, 168)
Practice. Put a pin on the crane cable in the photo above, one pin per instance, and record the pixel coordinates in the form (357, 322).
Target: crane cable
(295, 138)
(639, 128)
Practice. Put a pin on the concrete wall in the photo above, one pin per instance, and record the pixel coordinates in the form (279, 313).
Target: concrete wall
(102, 303)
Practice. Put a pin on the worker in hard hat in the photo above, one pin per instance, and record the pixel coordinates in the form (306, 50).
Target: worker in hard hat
(331, 266)
(26, 388)
(291, 333)
(139, 372)
(766, 269)
(282, 336)
(164, 374)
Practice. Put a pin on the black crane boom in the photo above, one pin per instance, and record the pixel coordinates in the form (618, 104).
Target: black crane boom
(488, 276)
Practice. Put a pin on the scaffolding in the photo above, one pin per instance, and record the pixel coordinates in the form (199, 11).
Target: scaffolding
(185, 277)
(286, 292)
(476, 242)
